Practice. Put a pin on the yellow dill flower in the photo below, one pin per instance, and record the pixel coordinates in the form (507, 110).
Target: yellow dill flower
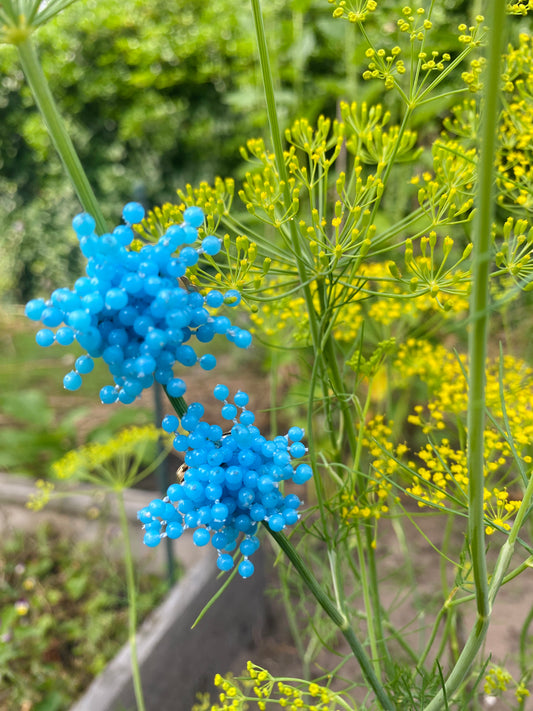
(438, 469)
(521, 692)
(113, 463)
(38, 499)
(91, 456)
(497, 680)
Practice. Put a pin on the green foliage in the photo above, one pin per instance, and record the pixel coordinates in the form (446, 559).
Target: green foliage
(50, 588)
(152, 93)
(36, 427)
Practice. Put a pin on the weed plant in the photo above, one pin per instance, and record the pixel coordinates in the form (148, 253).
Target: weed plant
(388, 264)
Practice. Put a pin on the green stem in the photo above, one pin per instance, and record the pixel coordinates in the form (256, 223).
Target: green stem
(58, 132)
(335, 615)
(479, 319)
(479, 307)
(275, 134)
(132, 601)
(178, 403)
(369, 610)
(525, 666)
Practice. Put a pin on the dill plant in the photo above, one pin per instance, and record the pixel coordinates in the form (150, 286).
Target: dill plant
(367, 304)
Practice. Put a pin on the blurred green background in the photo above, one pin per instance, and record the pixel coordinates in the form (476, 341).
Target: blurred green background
(158, 94)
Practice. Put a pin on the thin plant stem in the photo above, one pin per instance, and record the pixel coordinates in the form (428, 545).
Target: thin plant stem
(477, 348)
(336, 616)
(275, 134)
(58, 132)
(132, 601)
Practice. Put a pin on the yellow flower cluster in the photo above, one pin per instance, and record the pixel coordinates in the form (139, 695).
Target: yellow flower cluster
(414, 23)
(384, 65)
(434, 279)
(372, 502)
(114, 463)
(519, 7)
(514, 252)
(261, 688)
(514, 158)
(472, 35)
(353, 10)
(374, 296)
(97, 455)
(498, 680)
(446, 196)
(38, 499)
(438, 469)
(214, 200)
(367, 139)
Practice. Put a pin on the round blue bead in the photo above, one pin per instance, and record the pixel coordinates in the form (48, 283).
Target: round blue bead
(189, 256)
(72, 381)
(193, 216)
(64, 336)
(219, 512)
(151, 539)
(208, 362)
(302, 474)
(45, 337)
(276, 522)
(176, 387)
(247, 417)
(83, 224)
(257, 512)
(144, 515)
(296, 434)
(124, 235)
(214, 299)
(108, 394)
(241, 398)
(232, 298)
(290, 516)
(242, 338)
(133, 213)
(221, 392)
(79, 320)
(201, 537)
(224, 562)
(170, 423)
(180, 443)
(84, 364)
(246, 569)
(34, 309)
(249, 545)
(186, 356)
(174, 529)
(52, 316)
(229, 411)
(297, 449)
(211, 245)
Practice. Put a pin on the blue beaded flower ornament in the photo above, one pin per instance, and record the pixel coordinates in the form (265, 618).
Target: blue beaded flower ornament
(131, 309)
(230, 484)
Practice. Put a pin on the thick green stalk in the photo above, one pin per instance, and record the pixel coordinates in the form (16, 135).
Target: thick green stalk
(178, 403)
(477, 348)
(479, 305)
(132, 601)
(57, 130)
(336, 616)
